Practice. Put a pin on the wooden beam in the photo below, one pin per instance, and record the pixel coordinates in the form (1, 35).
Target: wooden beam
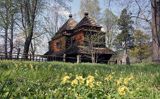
(64, 57)
(78, 59)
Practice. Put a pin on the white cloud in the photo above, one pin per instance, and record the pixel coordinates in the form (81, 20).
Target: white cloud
(64, 13)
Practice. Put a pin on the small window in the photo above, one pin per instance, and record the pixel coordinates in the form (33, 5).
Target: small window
(59, 45)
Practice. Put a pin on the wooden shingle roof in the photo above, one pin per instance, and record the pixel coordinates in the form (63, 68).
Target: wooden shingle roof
(69, 25)
(87, 21)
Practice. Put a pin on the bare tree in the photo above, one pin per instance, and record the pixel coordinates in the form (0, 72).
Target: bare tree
(110, 25)
(4, 14)
(29, 11)
(56, 14)
(94, 40)
(13, 12)
(7, 13)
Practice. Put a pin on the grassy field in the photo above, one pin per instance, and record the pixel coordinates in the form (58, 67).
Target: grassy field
(55, 80)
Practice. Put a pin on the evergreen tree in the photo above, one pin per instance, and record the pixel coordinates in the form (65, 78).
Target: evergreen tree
(125, 25)
(125, 37)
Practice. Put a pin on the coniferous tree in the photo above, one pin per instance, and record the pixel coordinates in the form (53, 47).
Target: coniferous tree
(125, 25)
(125, 37)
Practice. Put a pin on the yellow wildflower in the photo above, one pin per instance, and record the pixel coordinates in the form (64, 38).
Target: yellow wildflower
(119, 81)
(98, 83)
(108, 78)
(65, 79)
(90, 81)
(79, 97)
(80, 79)
(127, 79)
(122, 90)
(30, 66)
(113, 73)
(90, 84)
(131, 77)
(74, 82)
(90, 78)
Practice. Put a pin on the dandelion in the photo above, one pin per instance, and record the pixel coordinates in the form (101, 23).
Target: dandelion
(122, 90)
(65, 79)
(74, 82)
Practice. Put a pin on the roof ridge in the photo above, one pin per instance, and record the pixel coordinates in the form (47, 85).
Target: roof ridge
(68, 25)
(87, 20)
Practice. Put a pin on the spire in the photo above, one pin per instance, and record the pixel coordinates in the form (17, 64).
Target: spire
(70, 15)
(86, 14)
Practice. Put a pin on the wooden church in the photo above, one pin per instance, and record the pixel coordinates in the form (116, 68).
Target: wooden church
(70, 44)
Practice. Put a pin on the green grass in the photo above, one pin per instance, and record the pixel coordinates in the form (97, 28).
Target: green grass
(20, 79)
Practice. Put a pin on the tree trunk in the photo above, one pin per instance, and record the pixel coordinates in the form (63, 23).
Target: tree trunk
(18, 52)
(26, 47)
(155, 31)
(93, 57)
(127, 59)
(28, 41)
(11, 39)
(33, 50)
(6, 42)
(29, 15)
(78, 59)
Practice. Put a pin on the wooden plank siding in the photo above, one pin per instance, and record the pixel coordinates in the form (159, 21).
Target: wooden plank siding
(70, 42)
(79, 38)
(61, 41)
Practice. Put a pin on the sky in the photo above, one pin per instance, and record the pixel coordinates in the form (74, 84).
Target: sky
(75, 7)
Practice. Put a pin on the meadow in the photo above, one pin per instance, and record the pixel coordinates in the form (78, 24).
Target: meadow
(57, 80)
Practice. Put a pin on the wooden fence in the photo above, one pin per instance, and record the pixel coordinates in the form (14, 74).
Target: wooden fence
(39, 58)
(20, 57)
(43, 58)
